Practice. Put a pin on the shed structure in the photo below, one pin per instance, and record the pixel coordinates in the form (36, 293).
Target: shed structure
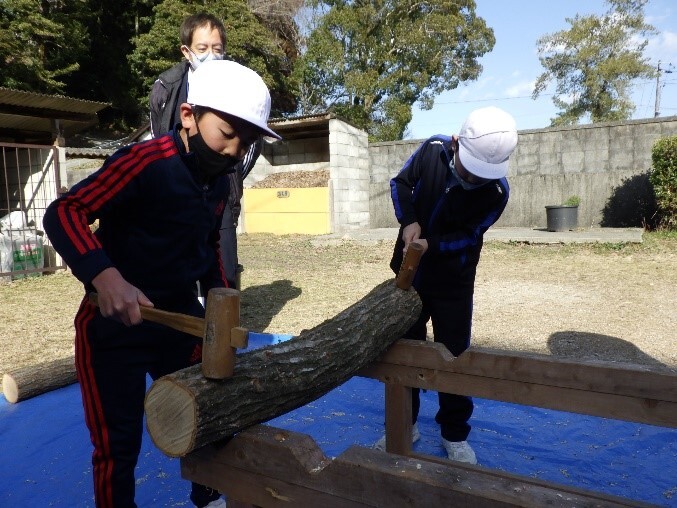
(315, 143)
(33, 127)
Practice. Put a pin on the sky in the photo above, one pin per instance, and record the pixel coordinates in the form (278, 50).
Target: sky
(512, 67)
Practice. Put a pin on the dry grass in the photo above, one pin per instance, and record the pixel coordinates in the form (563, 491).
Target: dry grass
(609, 302)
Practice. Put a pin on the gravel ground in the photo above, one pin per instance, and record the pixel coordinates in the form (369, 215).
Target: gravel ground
(608, 302)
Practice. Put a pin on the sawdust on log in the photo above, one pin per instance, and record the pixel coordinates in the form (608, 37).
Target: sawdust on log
(294, 180)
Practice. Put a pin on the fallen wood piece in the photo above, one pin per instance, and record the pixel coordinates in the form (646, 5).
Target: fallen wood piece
(185, 411)
(629, 392)
(271, 467)
(33, 380)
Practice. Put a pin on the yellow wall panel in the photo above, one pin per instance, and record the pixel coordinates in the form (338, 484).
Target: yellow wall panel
(314, 199)
(287, 211)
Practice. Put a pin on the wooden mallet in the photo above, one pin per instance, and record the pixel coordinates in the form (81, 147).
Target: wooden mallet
(409, 265)
(220, 329)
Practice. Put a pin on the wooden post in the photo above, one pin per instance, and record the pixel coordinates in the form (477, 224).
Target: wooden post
(398, 418)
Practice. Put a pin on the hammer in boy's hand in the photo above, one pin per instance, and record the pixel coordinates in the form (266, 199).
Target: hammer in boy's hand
(219, 330)
(409, 265)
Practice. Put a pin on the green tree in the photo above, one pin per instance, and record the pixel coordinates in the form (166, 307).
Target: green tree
(37, 47)
(248, 42)
(104, 72)
(594, 63)
(663, 177)
(371, 61)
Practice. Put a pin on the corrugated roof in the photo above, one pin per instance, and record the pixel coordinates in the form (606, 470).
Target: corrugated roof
(27, 117)
(306, 126)
(301, 118)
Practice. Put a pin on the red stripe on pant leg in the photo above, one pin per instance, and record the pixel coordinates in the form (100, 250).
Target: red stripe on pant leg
(96, 423)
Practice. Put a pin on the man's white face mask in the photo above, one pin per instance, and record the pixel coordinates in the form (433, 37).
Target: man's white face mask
(197, 60)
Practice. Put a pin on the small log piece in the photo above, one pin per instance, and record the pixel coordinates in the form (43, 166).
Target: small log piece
(185, 411)
(33, 380)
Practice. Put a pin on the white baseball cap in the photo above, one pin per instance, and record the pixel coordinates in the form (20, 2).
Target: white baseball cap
(227, 86)
(485, 142)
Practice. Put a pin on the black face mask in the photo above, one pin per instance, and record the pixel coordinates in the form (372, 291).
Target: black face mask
(210, 162)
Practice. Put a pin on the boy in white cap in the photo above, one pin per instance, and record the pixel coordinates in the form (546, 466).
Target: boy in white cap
(159, 205)
(449, 192)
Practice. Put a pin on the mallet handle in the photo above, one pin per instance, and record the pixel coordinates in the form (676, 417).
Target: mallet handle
(181, 322)
(409, 265)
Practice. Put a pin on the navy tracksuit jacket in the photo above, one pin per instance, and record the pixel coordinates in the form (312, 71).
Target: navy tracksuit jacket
(452, 220)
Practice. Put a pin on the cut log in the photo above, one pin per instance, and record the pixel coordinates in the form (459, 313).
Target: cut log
(185, 411)
(27, 382)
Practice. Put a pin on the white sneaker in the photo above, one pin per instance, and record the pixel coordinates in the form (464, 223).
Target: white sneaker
(381, 443)
(217, 503)
(459, 451)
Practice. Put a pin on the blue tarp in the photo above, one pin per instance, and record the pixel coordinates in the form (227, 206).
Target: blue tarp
(46, 452)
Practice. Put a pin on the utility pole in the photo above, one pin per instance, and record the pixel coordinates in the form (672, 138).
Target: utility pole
(657, 107)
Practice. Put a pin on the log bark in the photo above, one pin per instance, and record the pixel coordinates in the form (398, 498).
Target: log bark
(185, 411)
(27, 382)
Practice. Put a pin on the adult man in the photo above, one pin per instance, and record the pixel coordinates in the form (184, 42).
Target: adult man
(449, 192)
(203, 38)
(159, 206)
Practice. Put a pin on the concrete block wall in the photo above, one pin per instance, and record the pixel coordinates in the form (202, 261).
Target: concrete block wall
(605, 164)
(349, 176)
(386, 160)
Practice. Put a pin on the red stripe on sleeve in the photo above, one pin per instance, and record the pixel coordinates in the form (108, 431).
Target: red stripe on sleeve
(90, 198)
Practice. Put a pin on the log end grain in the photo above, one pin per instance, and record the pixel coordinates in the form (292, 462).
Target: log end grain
(10, 389)
(171, 416)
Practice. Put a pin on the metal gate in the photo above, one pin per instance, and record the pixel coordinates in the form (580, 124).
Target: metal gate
(29, 182)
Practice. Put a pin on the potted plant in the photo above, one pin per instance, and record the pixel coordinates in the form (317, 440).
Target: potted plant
(563, 217)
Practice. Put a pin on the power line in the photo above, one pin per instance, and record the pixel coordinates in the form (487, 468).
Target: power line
(493, 99)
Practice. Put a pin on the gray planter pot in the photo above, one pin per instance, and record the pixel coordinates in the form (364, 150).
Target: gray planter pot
(561, 217)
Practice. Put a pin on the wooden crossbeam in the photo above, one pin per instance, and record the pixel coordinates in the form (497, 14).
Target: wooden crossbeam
(622, 391)
(270, 467)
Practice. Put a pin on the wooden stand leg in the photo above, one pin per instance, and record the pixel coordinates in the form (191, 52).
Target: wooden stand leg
(398, 419)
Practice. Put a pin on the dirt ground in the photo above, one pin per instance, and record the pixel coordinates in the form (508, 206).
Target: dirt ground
(607, 302)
